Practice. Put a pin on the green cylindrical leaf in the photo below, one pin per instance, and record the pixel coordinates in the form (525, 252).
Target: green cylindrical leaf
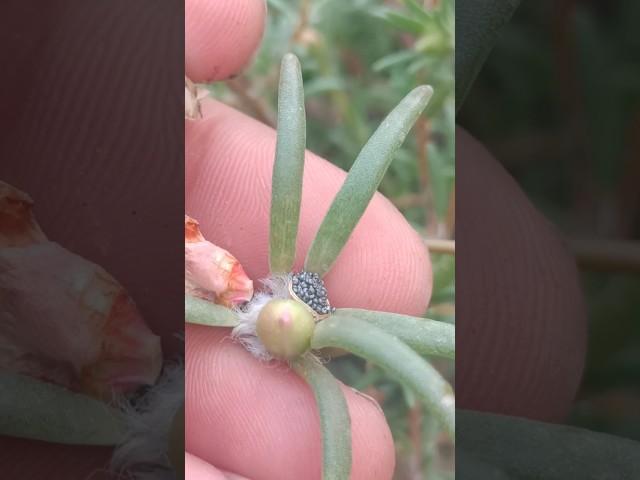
(363, 180)
(288, 167)
(425, 336)
(202, 312)
(335, 422)
(521, 449)
(37, 410)
(374, 344)
(478, 25)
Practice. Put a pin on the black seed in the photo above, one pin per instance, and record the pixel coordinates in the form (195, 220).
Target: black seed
(309, 287)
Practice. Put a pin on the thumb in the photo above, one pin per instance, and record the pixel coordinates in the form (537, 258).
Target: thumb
(228, 166)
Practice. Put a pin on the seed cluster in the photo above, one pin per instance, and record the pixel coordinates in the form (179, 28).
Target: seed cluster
(310, 288)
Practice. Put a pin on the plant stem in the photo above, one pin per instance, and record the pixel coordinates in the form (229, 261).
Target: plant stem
(423, 134)
(335, 422)
(374, 344)
(258, 106)
(414, 419)
(606, 255)
(436, 245)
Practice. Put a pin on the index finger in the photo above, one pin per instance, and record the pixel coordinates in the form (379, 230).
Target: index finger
(228, 165)
(220, 36)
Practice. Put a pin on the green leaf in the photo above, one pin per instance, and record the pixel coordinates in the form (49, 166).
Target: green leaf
(288, 167)
(363, 180)
(478, 26)
(519, 449)
(397, 358)
(203, 312)
(393, 59)
(418, 10)
(37, 410)
(405, 23)
(335, 422)
(428, 337)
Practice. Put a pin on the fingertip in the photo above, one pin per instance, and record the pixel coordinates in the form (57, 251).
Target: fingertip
(197, 469)
(385, 265)
(266, 411)
(221, 36)
(373, 448)
(229, 159)
(522, 326)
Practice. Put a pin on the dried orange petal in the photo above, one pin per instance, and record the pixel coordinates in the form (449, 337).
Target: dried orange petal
(65, 319)
(211, 272)
(17, 225)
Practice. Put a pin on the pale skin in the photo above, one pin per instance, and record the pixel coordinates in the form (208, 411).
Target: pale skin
(242, 416)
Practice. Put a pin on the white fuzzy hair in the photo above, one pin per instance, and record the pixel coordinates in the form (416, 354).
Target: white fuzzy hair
(275, 287)
(142, 455)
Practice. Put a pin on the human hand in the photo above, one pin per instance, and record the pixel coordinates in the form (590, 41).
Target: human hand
(242, 415)
(520, 317)
(93, 135)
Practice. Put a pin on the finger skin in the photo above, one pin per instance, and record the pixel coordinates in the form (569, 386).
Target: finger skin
(221, 36)
(197, 469)
(521, 322)
(89, 140)
(260, 420)
(229, 161)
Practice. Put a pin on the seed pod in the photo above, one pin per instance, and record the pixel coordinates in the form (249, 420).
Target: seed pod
(285, 328)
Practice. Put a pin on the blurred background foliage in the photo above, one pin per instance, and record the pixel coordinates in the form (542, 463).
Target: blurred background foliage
(558, 103)
(359, 58)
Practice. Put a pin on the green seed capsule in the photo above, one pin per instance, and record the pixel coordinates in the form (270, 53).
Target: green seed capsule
(285, 328)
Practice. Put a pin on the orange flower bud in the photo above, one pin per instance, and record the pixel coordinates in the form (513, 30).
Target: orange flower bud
(211, 272)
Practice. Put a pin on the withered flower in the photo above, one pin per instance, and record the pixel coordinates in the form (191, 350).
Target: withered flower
(63, 318)
(211, 272)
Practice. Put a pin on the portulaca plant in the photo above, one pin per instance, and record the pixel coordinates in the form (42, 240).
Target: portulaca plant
(291, 318)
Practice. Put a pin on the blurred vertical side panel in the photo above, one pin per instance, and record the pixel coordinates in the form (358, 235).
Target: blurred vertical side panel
(91, 214)
(548, 262)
